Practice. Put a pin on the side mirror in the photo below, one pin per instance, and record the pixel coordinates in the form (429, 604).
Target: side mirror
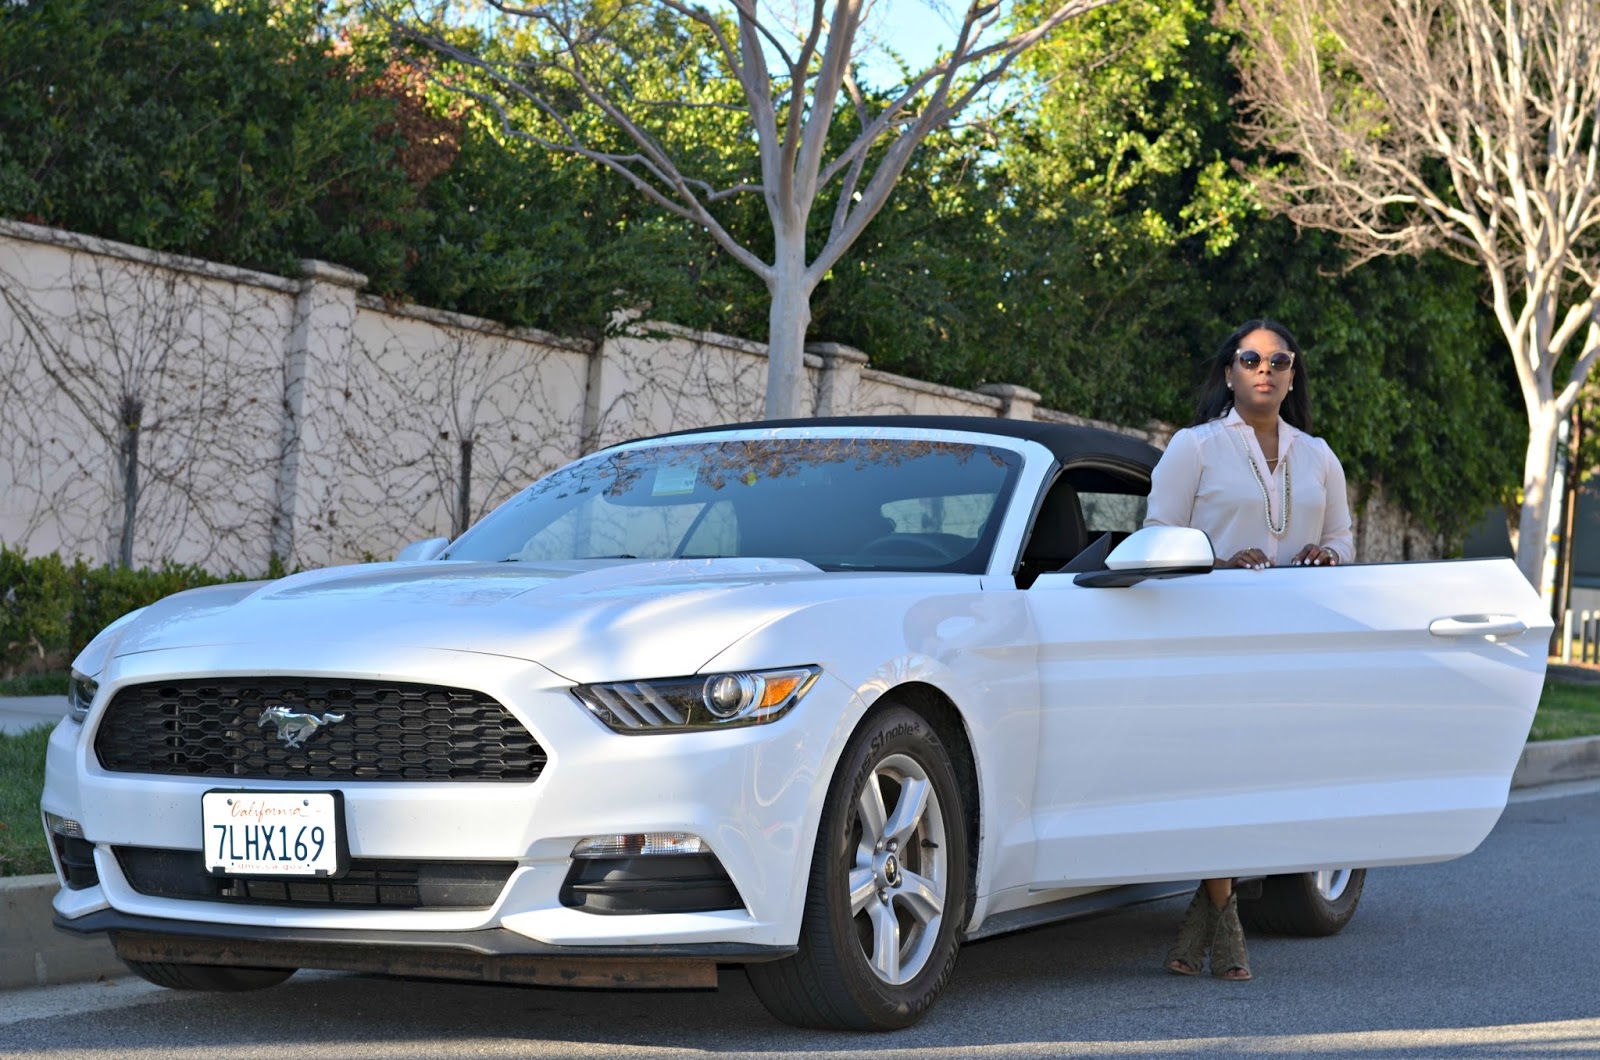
(1154, 552)
(422, 551)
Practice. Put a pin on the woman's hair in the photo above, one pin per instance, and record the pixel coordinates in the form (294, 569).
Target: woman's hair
(1215, 397)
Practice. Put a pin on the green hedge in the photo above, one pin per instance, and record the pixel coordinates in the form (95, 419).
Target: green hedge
(50, 609)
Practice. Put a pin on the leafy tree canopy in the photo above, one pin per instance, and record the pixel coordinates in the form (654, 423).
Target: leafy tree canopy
(1093, 242)
(238, 131)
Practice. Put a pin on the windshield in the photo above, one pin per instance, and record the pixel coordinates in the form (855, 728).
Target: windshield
(838, 503)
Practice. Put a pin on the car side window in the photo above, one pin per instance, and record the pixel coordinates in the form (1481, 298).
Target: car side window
(1084, 506)
(1120, 513)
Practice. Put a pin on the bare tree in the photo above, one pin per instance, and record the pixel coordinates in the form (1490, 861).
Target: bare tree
(441, 424)
(134, 419)
(786, 74)
(1469, 126)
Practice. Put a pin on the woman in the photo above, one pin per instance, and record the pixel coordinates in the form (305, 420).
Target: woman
(1251, 475)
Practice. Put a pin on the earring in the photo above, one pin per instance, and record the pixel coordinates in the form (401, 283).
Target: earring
(1291, 386)
(1230, 386)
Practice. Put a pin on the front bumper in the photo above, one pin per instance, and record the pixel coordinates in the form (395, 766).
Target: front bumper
(487, 955)
(752, 794)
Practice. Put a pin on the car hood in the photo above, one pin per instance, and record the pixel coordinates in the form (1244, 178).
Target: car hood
(582, 622)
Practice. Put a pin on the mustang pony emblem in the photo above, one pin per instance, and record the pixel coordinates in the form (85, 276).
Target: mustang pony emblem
(294, 728)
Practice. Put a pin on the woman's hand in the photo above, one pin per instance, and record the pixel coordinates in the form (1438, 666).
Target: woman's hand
(1247, 559)
(1314, 556)
(1255, 559)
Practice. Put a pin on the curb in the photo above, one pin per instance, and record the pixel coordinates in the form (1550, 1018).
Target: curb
(34, 953)
(1557, 761)
(1572, 673)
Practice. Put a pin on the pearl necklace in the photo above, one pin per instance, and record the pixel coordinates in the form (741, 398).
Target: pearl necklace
(1266, 494)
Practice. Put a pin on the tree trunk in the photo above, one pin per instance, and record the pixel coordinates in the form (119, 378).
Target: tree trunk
(1533, 523)
(132, 411)
(1569, 522)
(786, 329)
(464, 491)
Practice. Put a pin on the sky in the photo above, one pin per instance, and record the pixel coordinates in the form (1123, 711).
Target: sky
(914, 28)
(918, 29)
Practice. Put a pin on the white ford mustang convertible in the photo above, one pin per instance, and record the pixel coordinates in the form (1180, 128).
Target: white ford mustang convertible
(823, 699)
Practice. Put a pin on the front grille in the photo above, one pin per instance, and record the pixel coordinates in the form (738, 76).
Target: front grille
(384, 731)
(371, 883)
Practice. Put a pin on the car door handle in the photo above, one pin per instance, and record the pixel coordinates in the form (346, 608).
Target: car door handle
(1477, 626)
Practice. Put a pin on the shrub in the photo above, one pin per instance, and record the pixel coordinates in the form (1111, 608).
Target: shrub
(50, 609)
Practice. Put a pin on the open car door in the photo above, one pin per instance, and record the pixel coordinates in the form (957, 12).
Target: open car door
(1237, 722)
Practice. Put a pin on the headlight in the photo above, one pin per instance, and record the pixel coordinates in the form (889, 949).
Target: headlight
(714, 701)
(80, 693)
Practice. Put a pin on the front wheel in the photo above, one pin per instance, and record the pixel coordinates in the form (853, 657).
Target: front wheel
(1305, 903)
(887, 889)
(207, 977)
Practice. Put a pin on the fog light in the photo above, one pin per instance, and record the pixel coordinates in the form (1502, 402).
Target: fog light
(640, 844)
(63, 826)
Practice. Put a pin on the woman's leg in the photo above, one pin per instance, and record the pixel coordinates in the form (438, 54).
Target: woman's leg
(1219, 890)
(1188, 953)
(1229, 958)
(1211, 927)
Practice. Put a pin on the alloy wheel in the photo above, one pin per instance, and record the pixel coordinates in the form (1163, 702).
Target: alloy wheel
(900, 875)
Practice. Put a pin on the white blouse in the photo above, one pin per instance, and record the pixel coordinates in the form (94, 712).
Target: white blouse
(1204, 480)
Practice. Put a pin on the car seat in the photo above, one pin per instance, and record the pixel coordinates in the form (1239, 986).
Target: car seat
(1058, 534)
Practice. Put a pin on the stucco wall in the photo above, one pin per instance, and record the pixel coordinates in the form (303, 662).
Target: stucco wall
(91, 340)
(303, 419)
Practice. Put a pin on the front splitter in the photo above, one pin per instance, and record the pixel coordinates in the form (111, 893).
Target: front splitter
(492, 955)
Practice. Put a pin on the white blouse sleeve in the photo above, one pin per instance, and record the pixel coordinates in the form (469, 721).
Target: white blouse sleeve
(1174, 483)
(1336, 516)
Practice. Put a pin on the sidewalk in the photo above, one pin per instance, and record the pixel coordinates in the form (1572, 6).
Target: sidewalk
(21, 713)
(33, 953)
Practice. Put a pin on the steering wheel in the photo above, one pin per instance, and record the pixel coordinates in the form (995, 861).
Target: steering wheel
(904, 545)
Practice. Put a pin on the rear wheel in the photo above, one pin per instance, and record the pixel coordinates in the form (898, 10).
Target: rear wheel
(887, 889)
(208, 977)
(1305, 903)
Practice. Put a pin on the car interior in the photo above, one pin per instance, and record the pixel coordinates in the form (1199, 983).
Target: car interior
(1086, 512)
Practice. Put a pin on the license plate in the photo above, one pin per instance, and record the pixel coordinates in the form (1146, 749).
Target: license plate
(279, 833)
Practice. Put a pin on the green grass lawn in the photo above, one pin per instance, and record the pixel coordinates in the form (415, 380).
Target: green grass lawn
(1564, 710)
(22, 843)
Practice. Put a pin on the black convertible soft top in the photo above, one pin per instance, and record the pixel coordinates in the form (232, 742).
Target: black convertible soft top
(1071, 444)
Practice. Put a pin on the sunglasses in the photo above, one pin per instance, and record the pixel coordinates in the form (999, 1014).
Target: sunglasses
(1250, 360)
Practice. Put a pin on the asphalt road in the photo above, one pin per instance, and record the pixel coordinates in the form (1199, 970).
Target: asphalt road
(1495, 955)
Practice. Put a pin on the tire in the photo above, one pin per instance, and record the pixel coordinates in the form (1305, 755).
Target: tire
(1305, 903)
(208, 977)
(887, 892)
